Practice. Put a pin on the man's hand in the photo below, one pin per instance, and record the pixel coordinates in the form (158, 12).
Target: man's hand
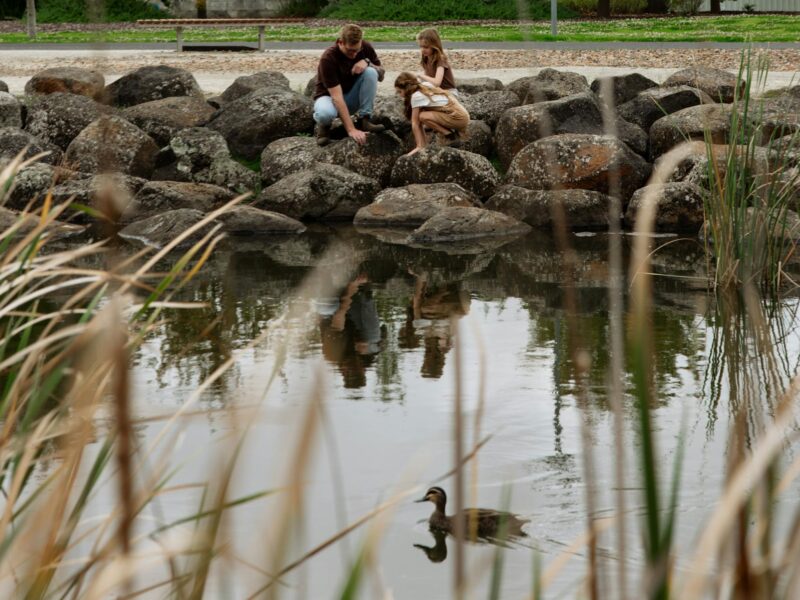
(359, 67)
(359, 136)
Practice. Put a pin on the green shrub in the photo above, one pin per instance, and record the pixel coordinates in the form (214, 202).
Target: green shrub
(617, 6)
(301, 8)
(684, 7)
(413, 10)
(72, 11)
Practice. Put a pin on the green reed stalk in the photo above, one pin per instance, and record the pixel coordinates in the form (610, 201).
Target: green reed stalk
(751, 190)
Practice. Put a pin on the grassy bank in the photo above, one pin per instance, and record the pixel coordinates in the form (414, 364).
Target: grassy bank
(411, 10)
(772, 28)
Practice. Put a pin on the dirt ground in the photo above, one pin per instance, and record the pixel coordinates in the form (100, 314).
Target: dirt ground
(23, 63)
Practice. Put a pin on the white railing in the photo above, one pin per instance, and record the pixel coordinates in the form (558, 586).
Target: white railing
(758, 5)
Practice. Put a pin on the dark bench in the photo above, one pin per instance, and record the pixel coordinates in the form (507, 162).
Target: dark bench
(179, 24)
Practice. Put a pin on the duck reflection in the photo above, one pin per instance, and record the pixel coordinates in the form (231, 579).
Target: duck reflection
(429, 317)
(438, 552)
(351, 331)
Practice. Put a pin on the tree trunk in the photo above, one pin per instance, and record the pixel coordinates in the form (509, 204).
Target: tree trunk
(31, 18)
(715, 7)
(604, 8)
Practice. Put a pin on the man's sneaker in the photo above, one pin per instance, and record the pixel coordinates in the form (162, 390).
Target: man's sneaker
(323, 134)
(365, 124)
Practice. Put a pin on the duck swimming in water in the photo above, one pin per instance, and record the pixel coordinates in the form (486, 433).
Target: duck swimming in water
(488, 523)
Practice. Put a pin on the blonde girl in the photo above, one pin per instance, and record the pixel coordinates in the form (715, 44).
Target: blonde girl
(435, 67)
(428, 106)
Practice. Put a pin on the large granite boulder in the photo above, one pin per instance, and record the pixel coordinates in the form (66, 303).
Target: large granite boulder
(779, 115)
(109, 194)
(156, 197)
(14, 140)
(162, 119)
(786, 100)
(389, 111)
(476, 85)
(249, 220)
(202, 156)
(719, 84)
(478, 139)
(24, 223)
(591, 162)
(112, 144)
(146, 84)
(10, 111)
(159, 230)
(58, 118)
(246, 84)
(694, 168)
(311, 86)
(323, 192)
(32, 182)
(548, 84)
(692, 123)
(490, 106)
(263, 116)
(69, 80)
(650, 105)
(436, 164)
(583, 209)
(288, 155)
(412, 205)
(622, 87)
(466, 223)
(375, 158)
(679, 206)
(523, 125)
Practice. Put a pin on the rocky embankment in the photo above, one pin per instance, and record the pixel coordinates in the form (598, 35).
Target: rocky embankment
(152, 155)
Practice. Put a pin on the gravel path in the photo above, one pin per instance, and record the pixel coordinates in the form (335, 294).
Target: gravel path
(23, 63)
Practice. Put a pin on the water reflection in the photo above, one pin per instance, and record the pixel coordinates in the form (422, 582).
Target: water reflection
(434, 308)
(395, 301)
(438, 551)
(350, 330)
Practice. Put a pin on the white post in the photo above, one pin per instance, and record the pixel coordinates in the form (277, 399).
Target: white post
(31, 14)
(554, 17)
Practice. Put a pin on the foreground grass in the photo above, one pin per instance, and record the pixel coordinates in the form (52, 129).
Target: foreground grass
(745, 28)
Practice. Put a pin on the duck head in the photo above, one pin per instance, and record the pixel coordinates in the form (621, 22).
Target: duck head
(436, 495)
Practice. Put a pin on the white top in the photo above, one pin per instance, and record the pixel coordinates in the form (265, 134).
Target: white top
(420, 100)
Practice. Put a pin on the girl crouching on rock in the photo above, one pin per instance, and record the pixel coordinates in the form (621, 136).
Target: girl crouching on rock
(428, 106)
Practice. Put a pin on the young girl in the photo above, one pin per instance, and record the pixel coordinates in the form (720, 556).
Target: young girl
(435, 68)
(432, 107)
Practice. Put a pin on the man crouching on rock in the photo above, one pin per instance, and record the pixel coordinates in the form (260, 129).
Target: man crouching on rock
(347, 82)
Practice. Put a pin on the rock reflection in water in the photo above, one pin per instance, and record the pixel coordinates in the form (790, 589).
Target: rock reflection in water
(391, 302)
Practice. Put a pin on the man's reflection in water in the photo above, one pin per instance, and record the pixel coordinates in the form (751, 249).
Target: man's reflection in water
(433, 306)
(350, 330)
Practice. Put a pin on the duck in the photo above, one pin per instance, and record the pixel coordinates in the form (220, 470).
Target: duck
(490, 522)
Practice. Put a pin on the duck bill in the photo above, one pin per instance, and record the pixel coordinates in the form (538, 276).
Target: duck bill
(425, 499)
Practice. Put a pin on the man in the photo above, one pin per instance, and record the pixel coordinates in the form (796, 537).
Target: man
(347, 82)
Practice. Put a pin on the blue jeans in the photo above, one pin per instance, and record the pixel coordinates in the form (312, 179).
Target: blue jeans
(359, 99)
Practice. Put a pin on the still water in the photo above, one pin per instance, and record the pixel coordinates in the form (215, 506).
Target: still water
(378, 328)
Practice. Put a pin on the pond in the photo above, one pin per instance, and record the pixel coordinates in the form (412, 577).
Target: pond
(377, 331)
